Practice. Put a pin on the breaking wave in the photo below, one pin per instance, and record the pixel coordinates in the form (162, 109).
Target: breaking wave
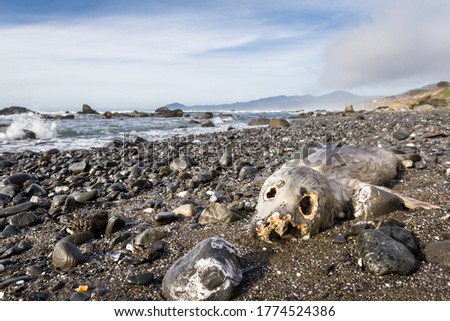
(29, 122)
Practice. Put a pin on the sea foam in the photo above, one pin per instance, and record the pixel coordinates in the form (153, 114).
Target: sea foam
(43, 129)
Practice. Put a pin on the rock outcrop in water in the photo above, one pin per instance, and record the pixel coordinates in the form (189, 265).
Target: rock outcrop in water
(87, 110)
(14, 110)
(167, 113)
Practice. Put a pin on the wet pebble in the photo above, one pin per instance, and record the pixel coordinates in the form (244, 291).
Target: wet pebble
(19, 179)
(13, 279)
(210, 271)
(35, 189)
(140, 279)
(164, 218)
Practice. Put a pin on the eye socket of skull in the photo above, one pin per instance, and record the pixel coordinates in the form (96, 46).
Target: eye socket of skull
(308, 206)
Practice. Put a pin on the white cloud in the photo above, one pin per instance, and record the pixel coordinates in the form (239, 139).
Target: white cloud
(144, 61)
(405, 43)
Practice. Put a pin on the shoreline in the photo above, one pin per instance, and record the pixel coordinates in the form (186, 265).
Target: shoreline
(318, 269)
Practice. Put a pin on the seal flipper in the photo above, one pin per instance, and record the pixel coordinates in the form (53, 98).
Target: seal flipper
(410, 202)
(373, 201)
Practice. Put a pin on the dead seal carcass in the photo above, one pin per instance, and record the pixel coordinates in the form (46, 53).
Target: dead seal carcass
(306, 195)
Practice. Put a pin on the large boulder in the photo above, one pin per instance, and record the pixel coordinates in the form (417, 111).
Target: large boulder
(381, 254)
(259, 122)
(209, 272)
(166, 112)
(278, 123)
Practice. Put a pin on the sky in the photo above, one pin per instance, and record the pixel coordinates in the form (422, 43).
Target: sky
(136, 54)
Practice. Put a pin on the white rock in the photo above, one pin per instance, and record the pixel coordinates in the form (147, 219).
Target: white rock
(187, 210)
(2, 295)
(183, 194)
(61, 189)
(149, 210)
(2, 268)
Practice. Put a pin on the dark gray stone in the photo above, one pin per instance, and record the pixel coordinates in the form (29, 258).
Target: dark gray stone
(78, 167)
(164, 218)
(218, 213)
(4, 163)
(210, 271)
(382, 254)
(28, 206)
(62, 204)
(23, 219)
(83, 197)
(140, 279)
(10, 190)
(438, 253)
(35, 189)
(19, 179)
(66, 255)
(247, 172)
(149, 236)
(13, 279)
(9, 231)
(226, 159)
(116, 187)
(115, 223)
(209, 123)
(79, 238)
(400, 135)
(16, 249)
(28, 134)
(405, 237)
(182, 163)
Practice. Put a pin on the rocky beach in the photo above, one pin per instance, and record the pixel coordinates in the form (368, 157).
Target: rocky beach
(110, 223)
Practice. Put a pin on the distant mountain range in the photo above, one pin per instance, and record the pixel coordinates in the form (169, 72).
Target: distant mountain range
(336, 100)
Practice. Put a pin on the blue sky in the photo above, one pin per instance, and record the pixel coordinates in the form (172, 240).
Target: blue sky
(111, 54)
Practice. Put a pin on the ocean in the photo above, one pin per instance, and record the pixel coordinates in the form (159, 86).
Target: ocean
(86, 131)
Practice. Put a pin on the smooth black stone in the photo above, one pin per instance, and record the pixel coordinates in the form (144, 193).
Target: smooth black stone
(24, 207)
(164, 218)
(8, 231)
(115, 223)
(19, 179)
(140, 279)
(13, 279)
(39, 296)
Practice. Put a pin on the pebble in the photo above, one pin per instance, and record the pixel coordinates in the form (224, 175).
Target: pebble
(149, 236)
(61, 189)
(28, 206)
(226, 159)
(438, 253)
(140, 279)
(79, 238)
(218, 213)
(78, 167)
(8, 231)
(183, 194)
(115, 223)
(13, 279)
(23, 219)
(66, 255)
(83, 197)
(210, 271)
(401, 135)
(187, 210)
(2, 268)
(247, 172)
(164, 218)
(19, 179)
